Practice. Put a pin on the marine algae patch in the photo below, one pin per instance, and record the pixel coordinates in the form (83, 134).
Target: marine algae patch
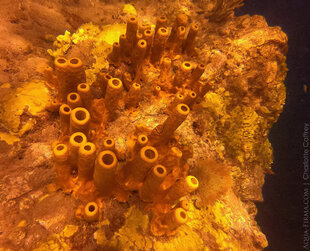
(31, 98)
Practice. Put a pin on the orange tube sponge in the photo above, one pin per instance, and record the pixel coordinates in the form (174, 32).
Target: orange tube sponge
(151, 185)
(136, 170)
(156, 90)
(74, 100)
(176, 118)
(159, 45)
(143, 27)
(69, 74)
(161, 22)
(62, 73)
(127, 80)
(205, 87)
(139, 52)
(131, 29)
(91, 212)
(108, 144)
(125, 45)
(134, 95)
(172, 159)
(197, 72)
(175, 218)
(202, 88)
(189, 43)
(85, 94)
(183, 204)
(134, 149)
(182, 74)
(148, 37)
(181, 20)
(167, 224)
(178, 99)
(77, 72)
(176, 46)
(102, 80)
(181, 188)
(86, 160)
(75, 64)
(79, 120)
(165, 68)
(64, 113)
(76, 140)
(139, 36)
(104, 174)
(113, 94)
(174, 166)
(62, 166)
(190, 98)
(142, 141)
(115, 55)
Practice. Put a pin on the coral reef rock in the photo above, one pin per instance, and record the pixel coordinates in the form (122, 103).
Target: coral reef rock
(154, 132)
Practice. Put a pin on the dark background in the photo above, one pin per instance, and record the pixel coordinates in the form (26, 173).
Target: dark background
(280, 215)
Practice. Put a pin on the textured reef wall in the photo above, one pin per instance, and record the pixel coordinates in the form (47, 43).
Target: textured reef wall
(145, 129)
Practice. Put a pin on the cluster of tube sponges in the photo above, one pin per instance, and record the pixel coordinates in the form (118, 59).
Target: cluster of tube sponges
(151, 166)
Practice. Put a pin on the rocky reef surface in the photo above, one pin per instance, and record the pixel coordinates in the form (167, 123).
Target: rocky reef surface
(223, 139)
